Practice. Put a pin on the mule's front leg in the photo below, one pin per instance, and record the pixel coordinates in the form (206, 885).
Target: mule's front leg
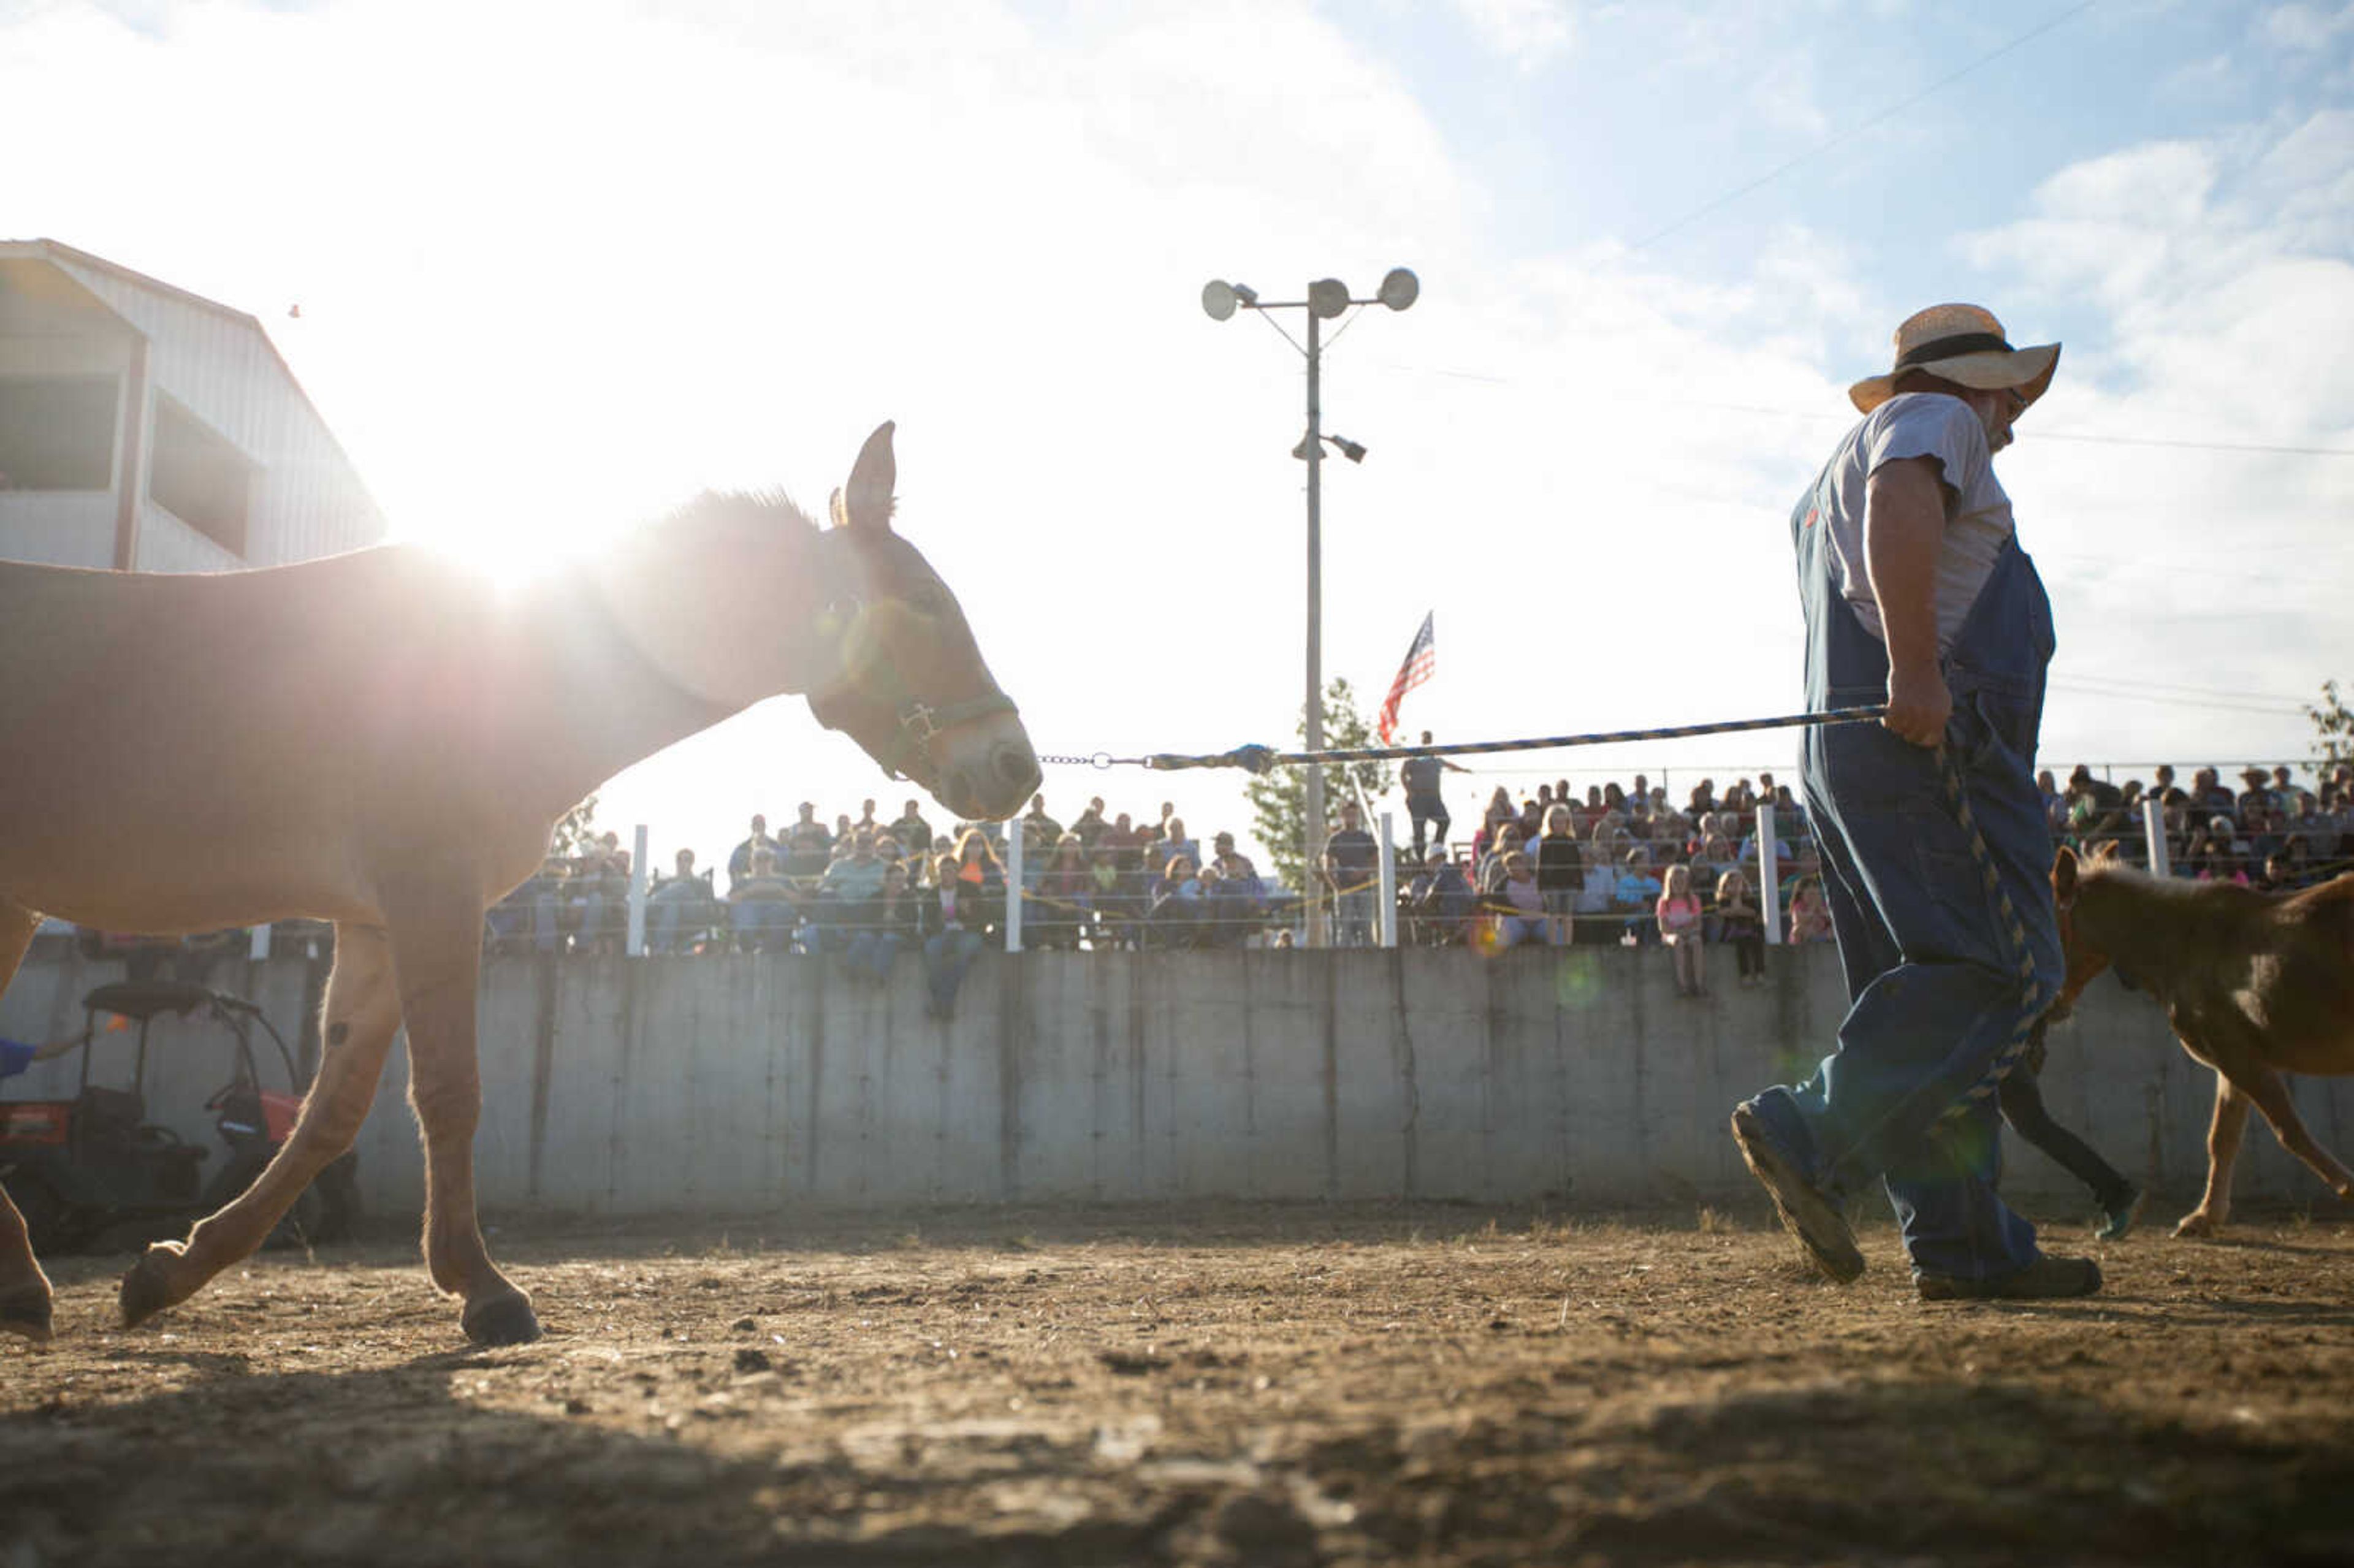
(437, 938)
(24, 1289)
(356, 1026)
(2223, 1135)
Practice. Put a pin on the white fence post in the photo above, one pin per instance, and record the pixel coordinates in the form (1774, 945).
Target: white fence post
(640, 874)
(1388, 885)
(1013, 885)
(2153, 823)
(1769, 873)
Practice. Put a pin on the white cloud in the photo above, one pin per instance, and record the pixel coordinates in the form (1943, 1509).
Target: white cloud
(2305, 29)
(1532, 33)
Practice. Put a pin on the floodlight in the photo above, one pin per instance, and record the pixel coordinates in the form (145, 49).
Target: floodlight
(1218, 299)
(1400, 289)
(1349, 448)
(1328, 297)
(1246, 294)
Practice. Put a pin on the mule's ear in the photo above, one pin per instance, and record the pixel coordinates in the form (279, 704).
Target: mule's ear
(865, 502)
(2106, 850)
(2063, 878)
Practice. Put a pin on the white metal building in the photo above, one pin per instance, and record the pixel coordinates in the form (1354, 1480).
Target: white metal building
(146, 429)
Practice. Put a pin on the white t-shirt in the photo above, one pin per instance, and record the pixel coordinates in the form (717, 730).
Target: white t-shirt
(1977, 512)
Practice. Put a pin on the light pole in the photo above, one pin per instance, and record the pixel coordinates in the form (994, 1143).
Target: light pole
(1327, 298)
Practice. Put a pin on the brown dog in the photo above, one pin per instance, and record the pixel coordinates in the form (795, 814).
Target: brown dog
(2255, 984)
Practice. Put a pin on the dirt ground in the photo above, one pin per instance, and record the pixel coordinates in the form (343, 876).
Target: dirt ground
(1286, 1384)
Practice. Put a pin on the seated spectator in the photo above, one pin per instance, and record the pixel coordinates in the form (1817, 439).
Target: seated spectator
(1108, 896)
(1701, 804)
(2095, 806)
(951, 918)
(982, 874)
(1178, 909)
(1043, 830)
(1489, 871)
(1090, 824)
(2257, 790)
(913, 833)
(1059, 911)
(1678, 912)
(2216, 855)
(2208, 796)
(739, 859)
(808, 846)
(846, 891)
(1172, 843)
(1443, 901)
(1242, 901)
(1810, 913)
(892, 921)
(1741, 925)
(1636, 896)
(681, 903)
(760, 908)
(1516, 909)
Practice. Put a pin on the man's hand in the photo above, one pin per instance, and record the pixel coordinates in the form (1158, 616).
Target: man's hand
(1918, 705)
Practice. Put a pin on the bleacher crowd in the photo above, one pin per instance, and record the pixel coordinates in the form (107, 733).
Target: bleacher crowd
(1619, 864)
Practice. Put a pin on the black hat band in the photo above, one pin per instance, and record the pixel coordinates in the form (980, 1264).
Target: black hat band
(1949, 347)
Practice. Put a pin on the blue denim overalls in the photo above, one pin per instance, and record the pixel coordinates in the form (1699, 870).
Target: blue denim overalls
(1943, 911)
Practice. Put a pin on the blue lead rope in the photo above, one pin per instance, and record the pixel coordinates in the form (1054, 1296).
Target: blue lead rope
(1264, 759)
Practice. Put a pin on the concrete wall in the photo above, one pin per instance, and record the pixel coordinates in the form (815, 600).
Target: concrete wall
(740, 1084)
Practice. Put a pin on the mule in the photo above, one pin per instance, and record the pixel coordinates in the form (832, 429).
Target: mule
(2256, 985)
(383, 740)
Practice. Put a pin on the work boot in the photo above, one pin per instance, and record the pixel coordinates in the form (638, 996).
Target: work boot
(1811, 1215)
(2046, 1278)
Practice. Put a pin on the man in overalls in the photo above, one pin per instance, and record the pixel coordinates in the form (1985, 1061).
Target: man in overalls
(1937, 856)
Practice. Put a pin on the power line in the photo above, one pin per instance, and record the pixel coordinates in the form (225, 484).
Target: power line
(1854, 131)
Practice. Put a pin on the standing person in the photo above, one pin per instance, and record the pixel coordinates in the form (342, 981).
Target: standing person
(1679, 914)
(1561, 870)
(2117, 1198)
(1422, 777)
(913, 833)
(1350, 869)
(1935, 851)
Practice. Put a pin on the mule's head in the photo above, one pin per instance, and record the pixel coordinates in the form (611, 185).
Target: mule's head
(2070, 878)
(906, 680)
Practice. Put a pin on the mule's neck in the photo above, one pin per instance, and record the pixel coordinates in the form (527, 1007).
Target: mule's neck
(669, 632)
(2153, 930)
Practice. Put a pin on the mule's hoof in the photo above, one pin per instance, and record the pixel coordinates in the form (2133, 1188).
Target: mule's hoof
(25, 1310)
(500, 1321)
(2197, 1225)
(145, 1291)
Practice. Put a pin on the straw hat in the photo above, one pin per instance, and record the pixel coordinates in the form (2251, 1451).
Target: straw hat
(1965, 346)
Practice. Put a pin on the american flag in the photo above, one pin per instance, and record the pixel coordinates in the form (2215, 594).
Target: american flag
(1420, 661)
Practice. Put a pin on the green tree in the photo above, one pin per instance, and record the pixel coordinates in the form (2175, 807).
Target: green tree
(1279, 799)
(2333, 728)
(574, 829)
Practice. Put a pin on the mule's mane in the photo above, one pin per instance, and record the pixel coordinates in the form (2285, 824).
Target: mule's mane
(770, 506)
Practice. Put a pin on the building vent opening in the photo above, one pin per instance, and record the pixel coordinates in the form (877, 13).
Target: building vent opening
(56, 432)
(200, 478)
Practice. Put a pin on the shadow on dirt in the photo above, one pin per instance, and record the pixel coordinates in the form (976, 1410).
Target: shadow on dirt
(396, 1467)
(243, 1468)
(1913, 1471)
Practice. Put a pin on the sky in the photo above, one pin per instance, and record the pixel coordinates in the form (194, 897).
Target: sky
(562, 266)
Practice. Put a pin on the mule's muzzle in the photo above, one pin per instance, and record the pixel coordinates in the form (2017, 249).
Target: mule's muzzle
(994, 785)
